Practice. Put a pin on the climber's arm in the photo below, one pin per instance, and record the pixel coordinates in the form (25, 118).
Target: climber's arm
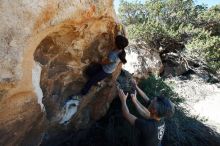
(128, 116)
(142, 94)
(144, 112)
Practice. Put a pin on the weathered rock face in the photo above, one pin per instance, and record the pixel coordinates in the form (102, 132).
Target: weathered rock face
(142, 60)
(65, 54)
(45, 46)
(174, 64)
(110, 130)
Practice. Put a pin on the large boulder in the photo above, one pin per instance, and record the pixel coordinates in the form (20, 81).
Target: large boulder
(142, 60)
(45, 47)
(175, 64)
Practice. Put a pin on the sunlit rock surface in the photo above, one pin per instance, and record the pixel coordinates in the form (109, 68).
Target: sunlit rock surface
(142, 60)
(44, 48)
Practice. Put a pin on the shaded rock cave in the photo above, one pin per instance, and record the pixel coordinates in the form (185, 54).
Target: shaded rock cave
(64, 56)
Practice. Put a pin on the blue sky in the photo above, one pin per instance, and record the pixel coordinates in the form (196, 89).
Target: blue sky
(207, 2)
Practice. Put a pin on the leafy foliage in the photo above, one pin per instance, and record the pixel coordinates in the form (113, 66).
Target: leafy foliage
(197, 26)
(154, 86)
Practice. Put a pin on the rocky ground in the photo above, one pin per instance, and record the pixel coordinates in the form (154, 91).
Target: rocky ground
(201, 98)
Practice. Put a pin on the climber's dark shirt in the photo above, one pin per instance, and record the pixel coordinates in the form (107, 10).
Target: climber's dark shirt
(150, 131)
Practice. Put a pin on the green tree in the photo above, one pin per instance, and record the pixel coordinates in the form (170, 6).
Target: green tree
(194, 25)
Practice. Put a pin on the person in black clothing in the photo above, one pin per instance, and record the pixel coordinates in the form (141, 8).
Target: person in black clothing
(106, 67)
(152, 126)
(109, 64)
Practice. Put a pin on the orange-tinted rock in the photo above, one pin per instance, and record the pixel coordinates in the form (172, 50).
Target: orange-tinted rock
(22, 122)
(45, 46)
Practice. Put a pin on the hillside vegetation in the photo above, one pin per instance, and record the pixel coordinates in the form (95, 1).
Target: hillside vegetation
(157, 22)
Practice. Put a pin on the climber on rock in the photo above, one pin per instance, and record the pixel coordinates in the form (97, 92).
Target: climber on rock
(108, 65)
(152, 126)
